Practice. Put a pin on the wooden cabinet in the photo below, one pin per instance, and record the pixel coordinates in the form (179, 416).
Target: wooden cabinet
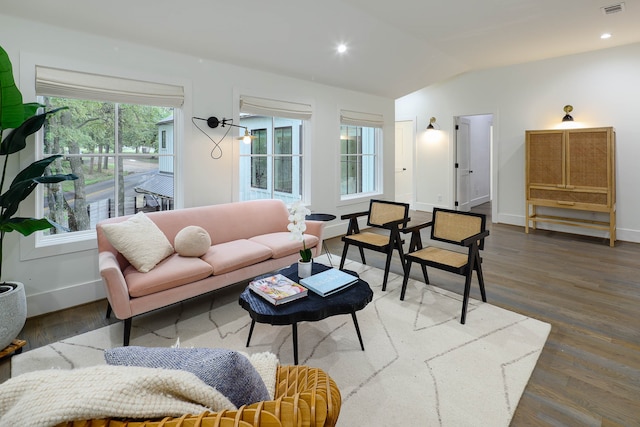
(571, 169)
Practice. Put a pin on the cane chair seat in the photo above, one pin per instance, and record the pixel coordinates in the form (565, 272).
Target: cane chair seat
(466, 230)
(386, 217)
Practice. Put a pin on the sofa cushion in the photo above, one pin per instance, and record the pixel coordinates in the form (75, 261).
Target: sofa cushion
(230, 256)
(228, 371)
(139, 240)
(282, 244)
(192, 241)
(170, 273)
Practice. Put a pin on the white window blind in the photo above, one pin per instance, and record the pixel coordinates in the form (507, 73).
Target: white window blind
(76, 84)
(275, 108)
(356, 118)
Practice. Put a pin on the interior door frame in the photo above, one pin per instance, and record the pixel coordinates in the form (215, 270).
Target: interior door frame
(494, 144)
(414, 120)
(412, 153)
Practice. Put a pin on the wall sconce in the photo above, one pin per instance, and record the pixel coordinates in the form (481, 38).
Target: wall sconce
(432, 121)
(567, 117)
(213, 122)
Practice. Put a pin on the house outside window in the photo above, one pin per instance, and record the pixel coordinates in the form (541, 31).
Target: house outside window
(259, 159)
(360, 163)
(272, 165)
(274, 159)
(122, 152)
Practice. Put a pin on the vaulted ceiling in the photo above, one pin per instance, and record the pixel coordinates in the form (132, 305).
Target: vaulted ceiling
(394, 48)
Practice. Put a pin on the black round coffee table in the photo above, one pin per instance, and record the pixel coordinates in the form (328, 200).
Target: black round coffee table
(311, 308)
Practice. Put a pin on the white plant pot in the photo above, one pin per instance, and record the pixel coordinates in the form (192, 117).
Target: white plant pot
(13, 312)
(304, 269)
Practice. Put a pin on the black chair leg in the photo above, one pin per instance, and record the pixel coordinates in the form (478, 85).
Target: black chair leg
(405, 280)
(127, 331)
(344, 255)
(108, 310)
(424, 274)
(481, 282)
(387, 266)
(362, 255)
(465, 298)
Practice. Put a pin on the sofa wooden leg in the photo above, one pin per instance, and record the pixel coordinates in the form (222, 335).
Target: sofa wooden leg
(127, 331)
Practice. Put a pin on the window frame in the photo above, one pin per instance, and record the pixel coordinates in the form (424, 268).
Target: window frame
(303, 109)
(33, 246)
(369, 121)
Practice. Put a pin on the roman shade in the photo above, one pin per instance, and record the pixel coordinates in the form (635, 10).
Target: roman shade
(356, 118)
(275, 108)
(80, 85)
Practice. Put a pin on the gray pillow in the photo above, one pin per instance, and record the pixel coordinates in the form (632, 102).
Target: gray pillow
(228, 371)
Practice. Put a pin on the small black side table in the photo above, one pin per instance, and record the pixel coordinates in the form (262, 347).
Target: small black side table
(311, 308)
(325, 218)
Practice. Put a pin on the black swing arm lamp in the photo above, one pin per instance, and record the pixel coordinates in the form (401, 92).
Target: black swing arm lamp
(213, 122)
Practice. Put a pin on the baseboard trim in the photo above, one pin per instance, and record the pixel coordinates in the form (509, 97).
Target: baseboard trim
(60, 299)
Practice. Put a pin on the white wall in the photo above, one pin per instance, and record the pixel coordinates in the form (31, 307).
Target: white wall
(62, 280)
(602, 86)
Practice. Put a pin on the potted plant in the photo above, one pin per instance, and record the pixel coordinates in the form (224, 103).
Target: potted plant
(20, 121)
(297, 227)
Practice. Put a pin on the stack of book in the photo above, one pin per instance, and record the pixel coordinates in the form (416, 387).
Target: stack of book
(329, 282)
(278, 289)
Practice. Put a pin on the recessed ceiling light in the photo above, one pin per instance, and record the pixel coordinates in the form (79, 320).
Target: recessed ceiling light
(605, 36)
(342, 48)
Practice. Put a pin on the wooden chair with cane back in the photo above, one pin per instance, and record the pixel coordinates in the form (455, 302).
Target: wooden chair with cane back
(464, 229)
(382, 215)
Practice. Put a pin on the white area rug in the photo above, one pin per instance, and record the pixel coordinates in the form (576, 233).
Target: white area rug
(420, 366)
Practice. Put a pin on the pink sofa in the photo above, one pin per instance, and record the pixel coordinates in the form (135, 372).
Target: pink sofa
(247, 239)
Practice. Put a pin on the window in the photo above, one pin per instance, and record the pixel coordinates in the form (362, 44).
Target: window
(122, 152)
(282, 161)
(274, 158)
(271, 166)
(259, 159)
(360, 140)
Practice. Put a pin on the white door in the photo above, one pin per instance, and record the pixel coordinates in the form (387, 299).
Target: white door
(463, 180)
(405, 136)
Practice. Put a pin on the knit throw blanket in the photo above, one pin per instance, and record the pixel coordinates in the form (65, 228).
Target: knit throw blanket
(46, 398)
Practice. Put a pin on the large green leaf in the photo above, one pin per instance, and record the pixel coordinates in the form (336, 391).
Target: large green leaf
(25, 182)
(16, 140)
(26, 226)
(12, 112)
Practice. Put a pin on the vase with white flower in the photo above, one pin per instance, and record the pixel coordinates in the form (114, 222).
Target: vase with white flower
(297, 227)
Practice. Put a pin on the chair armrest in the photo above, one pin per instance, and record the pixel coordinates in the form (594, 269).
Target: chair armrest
(115, 285)
(392, 224)
(412, 228)
(471, 239)
(354, 215)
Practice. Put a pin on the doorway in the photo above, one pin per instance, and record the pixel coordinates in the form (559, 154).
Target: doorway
(473, 160)
(404, 146)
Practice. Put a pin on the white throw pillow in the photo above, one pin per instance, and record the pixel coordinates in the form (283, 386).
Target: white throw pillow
(140, 241)
(192, 241)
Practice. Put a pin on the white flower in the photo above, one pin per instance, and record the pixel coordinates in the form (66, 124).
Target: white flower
(297, 215)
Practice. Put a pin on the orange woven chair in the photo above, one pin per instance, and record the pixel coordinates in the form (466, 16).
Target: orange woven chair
(465, 229)
(304, 397)
(390, 216)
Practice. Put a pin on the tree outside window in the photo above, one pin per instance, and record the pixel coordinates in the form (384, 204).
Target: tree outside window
(113, 148)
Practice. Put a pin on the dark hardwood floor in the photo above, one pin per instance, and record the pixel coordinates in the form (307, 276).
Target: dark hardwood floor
(589, 371)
